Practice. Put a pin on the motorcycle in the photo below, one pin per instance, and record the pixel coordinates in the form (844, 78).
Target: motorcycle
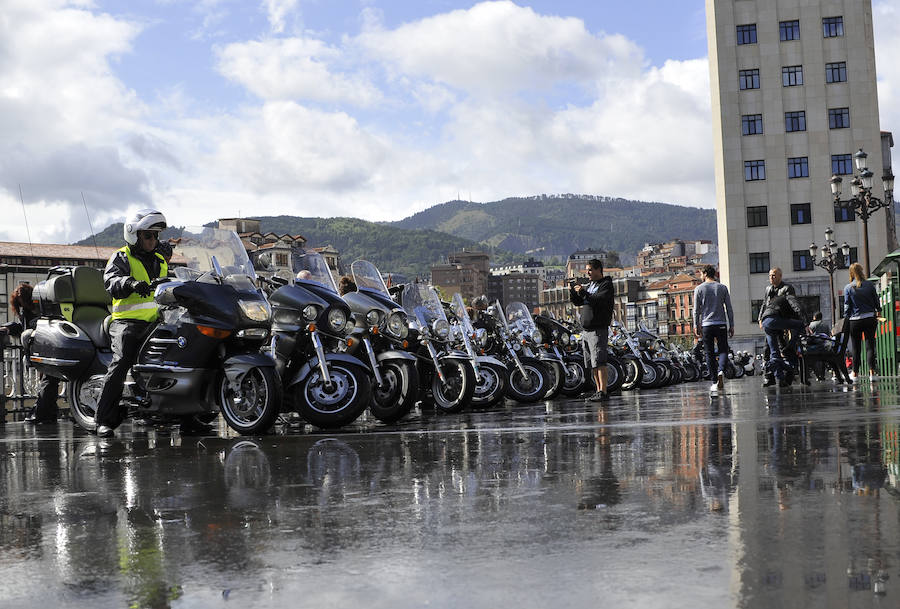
(380, 333)
(528, 378)
(448, 377)
(490, 373)
(202, 355)
(310, 322)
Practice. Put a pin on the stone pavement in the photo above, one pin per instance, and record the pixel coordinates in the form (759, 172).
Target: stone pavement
(665, 498)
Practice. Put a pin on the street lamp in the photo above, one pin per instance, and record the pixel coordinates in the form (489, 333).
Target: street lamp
(862, 202)
(832, 259)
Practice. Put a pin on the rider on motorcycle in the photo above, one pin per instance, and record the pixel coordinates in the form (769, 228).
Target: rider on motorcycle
(127, 278)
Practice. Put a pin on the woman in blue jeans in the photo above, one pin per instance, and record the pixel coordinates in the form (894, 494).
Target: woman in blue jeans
(861, 308)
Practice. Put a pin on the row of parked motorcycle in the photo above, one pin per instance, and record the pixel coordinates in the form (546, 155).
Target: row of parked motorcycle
(251, 348)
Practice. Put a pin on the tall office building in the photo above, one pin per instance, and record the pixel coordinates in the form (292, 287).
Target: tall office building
(793, 98)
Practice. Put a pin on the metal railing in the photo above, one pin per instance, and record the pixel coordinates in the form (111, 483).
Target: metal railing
(20, 382)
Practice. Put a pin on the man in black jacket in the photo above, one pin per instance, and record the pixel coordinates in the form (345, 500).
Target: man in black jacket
(780, 312)
(596, 302)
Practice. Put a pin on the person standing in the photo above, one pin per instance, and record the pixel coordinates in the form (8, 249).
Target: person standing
(714, 324)
(862, 308)
(127, 278)
(44, 410)
(781, 311)
(596, 302)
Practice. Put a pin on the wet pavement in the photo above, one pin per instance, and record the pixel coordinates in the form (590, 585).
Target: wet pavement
(665, 498)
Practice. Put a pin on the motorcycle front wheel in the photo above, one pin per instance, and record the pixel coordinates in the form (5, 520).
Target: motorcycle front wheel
(455, 392)
(634, 372)
(250, 406)
(576, 379)
(531, 386)
(490, 386)
(339, 404)
(398, 392)
(83, 396)
(615, 374)
(557, 376)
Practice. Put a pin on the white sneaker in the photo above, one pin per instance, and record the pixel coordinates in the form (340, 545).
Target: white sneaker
(720, 381)
(714, 388)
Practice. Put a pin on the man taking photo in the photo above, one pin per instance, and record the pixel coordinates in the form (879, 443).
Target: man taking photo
(596, 302)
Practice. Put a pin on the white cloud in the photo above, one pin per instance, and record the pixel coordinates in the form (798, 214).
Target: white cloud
(278, 11)
(293, 68)
(886, 22)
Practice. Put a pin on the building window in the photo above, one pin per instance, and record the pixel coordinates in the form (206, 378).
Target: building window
(754, 170)
(795, 121)
(791, 76)
(838, 118)
(746, 34)
(844, 214)
(789, 30)
(758, 215)
(749, 79)
(755, 306)
(798, 167)
(751, 124)
(833, 27)
(802, 261)
(800, 213)
(843, 262)
(836, 72)
(841, 164)
(759, 262)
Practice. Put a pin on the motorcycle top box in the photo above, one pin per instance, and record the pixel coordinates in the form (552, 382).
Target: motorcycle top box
(74, 322)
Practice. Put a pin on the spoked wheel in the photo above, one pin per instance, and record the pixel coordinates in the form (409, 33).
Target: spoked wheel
(576, 378)
(335, 404)
(557, 376)
(84, 394)
(531, 386)
(456, 390)
(634, 373)
(251, 405)
(398, 392)
(490, 386)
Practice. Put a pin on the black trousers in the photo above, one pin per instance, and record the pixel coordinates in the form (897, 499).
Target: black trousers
(45, 408)
(858, 328)
(127, 338)
(713, 337)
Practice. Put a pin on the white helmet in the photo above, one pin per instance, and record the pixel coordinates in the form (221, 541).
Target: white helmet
(145, 219)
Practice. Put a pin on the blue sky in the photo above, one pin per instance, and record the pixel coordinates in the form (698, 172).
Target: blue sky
(365, 108)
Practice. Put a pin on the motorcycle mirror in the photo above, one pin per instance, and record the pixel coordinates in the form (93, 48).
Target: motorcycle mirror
(263, 262)
(216, 267)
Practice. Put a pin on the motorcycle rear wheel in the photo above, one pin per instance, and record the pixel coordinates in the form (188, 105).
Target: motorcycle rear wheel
(398, 393)
(83, 396)
(252, 406)
(348, 397)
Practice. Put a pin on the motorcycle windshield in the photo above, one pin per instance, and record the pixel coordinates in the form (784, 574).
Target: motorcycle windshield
(311, 266)
(517, 315)
(459, 309)
(366, 276)
(200, 246)
(421, 302)
(496, 311)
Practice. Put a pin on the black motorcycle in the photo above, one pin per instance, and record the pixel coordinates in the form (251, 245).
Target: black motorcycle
(528, 379)
(490, 373)
(558, 337)
(200, 357)
(378, 337)
(448, 378)
(310, 325)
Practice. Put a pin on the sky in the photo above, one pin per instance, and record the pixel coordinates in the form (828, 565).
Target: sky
(367, 108)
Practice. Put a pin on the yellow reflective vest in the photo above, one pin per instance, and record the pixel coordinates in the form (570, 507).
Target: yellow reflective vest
(135, 306)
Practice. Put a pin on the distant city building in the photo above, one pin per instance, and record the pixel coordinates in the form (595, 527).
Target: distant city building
(516, 287)
(276, 247)
(577, 260)
(465, 272)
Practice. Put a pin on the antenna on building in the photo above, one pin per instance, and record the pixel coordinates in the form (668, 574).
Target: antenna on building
(91, 226)
(27, 231)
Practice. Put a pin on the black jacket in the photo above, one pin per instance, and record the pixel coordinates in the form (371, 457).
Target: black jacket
(596, 308)
(781, 301)
(118, 270)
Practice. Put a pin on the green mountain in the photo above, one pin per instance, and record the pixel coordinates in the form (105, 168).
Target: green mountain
(556, 225)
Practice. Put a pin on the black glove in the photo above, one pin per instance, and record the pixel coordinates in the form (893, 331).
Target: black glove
(142, 288)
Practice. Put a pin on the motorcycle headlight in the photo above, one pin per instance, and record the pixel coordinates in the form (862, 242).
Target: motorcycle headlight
(564, 339)
(516, 347)
(397, 325)
(310, 312)
(441, 328)
(336, 320)
(373, 317)
(256, 310)
(536, 336)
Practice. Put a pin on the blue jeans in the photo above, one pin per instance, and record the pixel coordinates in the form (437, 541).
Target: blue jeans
(713, 337)
(773, 327)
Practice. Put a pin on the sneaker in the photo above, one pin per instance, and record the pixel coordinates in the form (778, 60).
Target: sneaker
(604, 396)
(770, 380)
(594, 397)
(105, 432)
(720, 380)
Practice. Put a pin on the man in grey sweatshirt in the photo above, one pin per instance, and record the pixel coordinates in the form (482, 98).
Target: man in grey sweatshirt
(714, 323)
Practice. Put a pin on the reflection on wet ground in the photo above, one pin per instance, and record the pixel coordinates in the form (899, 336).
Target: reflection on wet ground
(762, 498)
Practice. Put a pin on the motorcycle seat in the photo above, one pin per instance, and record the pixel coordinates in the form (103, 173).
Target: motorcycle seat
(94, 322)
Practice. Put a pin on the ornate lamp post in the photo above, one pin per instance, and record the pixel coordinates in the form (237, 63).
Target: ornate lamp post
(832, 259)
(862, 202)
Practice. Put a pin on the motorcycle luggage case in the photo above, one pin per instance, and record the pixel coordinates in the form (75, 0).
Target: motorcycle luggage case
(60, 349)
(55, 292)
